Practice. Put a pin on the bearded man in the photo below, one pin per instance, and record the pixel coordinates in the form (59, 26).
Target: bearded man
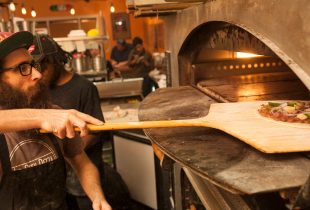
(32, 165)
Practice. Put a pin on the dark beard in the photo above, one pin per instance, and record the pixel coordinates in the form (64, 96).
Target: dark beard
(36, 97)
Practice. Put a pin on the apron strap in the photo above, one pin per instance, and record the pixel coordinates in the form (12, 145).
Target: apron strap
(5, 155)
(6, 184)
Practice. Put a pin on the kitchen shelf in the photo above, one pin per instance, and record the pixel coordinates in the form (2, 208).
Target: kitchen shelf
(82, 38)
(81, 44)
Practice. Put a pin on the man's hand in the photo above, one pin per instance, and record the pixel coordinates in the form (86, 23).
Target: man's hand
(62, 122)
(101, 204)
(140, 59)
(89, 178)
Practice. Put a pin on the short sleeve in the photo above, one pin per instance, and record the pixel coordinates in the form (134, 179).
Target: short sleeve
(91, 103)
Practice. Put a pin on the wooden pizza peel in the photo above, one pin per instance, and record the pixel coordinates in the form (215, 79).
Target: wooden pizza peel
(241, 120)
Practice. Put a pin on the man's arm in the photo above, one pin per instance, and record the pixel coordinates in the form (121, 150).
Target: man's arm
(89, 179)
(90, 104)
(132, 58)
(60, 122)
(90, 140)
(113, 62)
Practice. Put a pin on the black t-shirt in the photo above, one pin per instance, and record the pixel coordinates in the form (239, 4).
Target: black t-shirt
(82, 95)
(79, 94)
(120, 56)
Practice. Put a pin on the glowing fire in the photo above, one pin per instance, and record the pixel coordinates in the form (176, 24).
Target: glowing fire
(246, 55)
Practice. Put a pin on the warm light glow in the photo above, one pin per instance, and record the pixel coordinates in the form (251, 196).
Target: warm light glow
(246, 92)
(112, 8)
(246, 55)
(12, 6)
(119, 23)
(23, 10)
(33, 13)
(72, 11)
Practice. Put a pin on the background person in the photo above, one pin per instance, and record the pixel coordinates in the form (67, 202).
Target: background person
(141, 63)
(119, 58)
(32, 164)
(120, 54)
(71, 91)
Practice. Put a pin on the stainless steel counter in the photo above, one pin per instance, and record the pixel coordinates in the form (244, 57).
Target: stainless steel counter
(120, 88)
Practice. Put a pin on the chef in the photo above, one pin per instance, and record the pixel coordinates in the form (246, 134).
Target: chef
(32, 168)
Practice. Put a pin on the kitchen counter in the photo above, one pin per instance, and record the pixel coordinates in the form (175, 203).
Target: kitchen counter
(124, 110)
(132, 151)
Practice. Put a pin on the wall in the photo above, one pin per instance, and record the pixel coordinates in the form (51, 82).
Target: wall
(283, 25)
(139, 26)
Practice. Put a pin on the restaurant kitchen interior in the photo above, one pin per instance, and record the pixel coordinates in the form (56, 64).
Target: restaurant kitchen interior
(212, 51)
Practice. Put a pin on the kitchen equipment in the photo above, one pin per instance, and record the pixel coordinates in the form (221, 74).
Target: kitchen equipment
(78, 64)
(240, 120)
(97, 63)
(89, 56)
(120, 88)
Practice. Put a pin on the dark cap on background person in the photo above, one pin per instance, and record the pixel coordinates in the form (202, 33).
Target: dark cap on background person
(121, 42)
(44, 45)
(13, 41)
(136, 41)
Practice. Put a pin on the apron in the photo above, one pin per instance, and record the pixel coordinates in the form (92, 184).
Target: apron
(38, 188)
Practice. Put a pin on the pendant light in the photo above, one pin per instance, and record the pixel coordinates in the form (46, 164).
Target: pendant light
(23, 9)
(12, 6)
(72, 11)
(112, 8)
(33, 12)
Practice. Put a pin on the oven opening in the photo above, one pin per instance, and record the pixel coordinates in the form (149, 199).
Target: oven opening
(229, 64)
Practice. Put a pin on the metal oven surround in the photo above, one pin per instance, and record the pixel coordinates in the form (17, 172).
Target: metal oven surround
(204, 57)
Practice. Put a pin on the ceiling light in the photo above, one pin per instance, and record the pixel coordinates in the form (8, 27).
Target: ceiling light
(112, 8)
(72, 11)
(33, 13)
(12, 6)
(23, 10)
(119, 23)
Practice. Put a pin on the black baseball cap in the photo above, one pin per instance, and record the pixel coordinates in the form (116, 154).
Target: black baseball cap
(43, 45)
(121, 42)
(13, 41)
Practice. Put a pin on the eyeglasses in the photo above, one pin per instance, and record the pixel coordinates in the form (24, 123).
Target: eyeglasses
(25, 68)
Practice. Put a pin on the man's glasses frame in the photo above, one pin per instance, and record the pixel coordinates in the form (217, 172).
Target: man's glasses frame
(25, 68)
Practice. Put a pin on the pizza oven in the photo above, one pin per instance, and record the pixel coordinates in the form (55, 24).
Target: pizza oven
(232, 51)
(230, 64)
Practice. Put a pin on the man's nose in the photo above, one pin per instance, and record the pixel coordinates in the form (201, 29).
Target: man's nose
(35, 74)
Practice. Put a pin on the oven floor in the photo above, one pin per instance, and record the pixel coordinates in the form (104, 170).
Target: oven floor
(254, 87)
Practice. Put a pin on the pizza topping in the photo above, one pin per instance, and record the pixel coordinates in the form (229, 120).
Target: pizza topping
(302, 116)
(292, 104)
(274, 104)
(291, 111)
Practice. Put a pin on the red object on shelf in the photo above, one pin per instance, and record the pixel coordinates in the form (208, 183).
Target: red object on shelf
(61, 7)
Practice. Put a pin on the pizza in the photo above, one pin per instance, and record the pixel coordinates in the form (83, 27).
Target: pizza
(291, 111)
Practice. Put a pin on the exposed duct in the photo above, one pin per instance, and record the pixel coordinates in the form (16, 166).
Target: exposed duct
(156, 7)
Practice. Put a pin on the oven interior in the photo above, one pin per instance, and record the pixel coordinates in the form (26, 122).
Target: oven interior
(229, 64)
